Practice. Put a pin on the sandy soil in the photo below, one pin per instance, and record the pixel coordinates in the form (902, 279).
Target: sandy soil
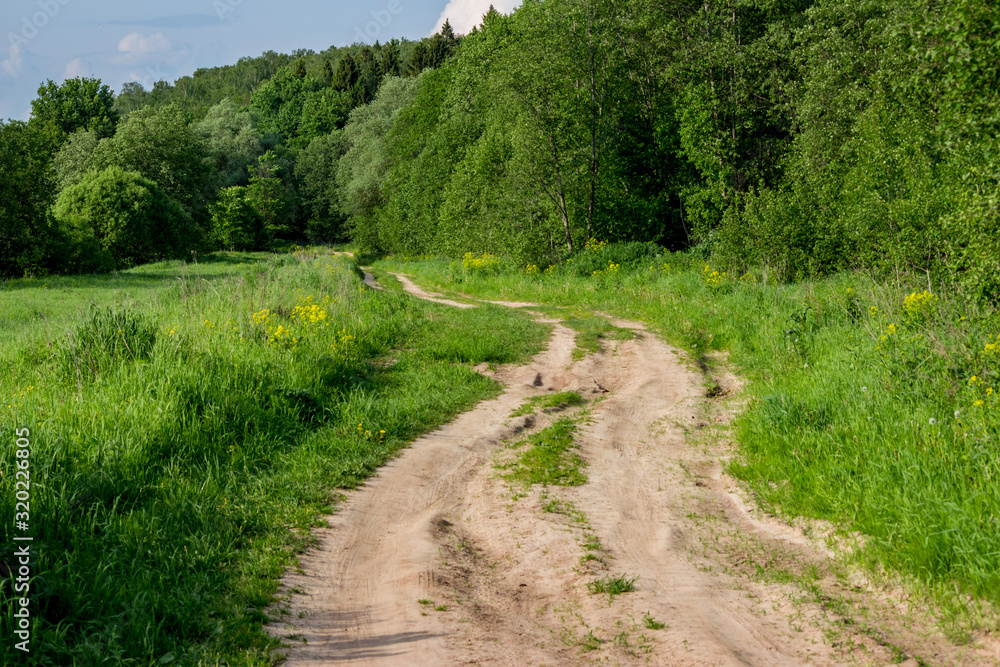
(439, 561)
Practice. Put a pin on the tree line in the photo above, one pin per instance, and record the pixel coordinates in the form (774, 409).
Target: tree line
(225, 159)
(808, 135)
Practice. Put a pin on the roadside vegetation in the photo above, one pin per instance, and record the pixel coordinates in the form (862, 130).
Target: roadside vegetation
(190, 423)
(810, 189)
(871, 405)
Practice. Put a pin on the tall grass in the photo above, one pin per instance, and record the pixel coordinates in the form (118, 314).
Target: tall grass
(872, 405)
(192, 425)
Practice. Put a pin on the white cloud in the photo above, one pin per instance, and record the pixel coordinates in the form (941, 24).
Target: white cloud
(149, 76)
(466, 14)
(77, 67)
(139, 44)
(14, 64)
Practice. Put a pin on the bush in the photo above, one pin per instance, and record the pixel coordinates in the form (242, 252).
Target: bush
(132, 217)
(598, 256)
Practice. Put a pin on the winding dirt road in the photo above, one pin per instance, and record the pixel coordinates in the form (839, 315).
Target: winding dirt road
(437, 560)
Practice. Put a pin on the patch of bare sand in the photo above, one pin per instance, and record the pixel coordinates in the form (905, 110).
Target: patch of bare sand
(438, 561)
(417, 291)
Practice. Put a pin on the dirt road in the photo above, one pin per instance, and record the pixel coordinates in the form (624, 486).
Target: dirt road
(438, 560)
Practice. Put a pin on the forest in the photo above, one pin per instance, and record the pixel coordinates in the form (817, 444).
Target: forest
(807, 136)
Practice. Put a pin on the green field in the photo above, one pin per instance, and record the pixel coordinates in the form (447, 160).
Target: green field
(869, 405)
(189, 424)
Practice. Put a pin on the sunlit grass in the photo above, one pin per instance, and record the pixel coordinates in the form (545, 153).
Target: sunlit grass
(191, 423)
(872, 405)
(551, 458)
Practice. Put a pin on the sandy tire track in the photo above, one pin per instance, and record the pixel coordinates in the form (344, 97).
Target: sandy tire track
(437, 523)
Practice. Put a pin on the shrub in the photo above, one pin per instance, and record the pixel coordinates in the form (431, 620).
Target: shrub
(131, 216)
(598, 256)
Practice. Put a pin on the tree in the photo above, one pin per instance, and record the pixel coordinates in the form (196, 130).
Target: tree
(316, 169)
(132, 96)
(130, 216)
(75, 158)
(441, 46)
(327, 73)
(347, 74)
(364, 166)
(300, 69)
(389, 62)
(269, 196)
(421, 150)
(232, 142)
(79, 103)
(160, 144)
(236, 224)
(419, 59)
(323, 112)
(29, 242)
(278, 102)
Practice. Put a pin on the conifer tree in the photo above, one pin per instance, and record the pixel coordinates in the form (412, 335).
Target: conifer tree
(327, 73)
(300, 69)
(389, 59)
(347, 74)
(418, 59)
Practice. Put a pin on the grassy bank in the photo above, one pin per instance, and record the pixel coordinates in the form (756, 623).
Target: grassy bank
(190, 423)
(871, 405)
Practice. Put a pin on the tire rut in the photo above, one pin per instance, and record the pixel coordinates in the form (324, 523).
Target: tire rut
(436, 560)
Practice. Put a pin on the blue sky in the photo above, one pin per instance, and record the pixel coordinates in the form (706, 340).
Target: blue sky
(118, 41)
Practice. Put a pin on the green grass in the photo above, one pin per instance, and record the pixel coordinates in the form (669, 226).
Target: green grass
(651, 623)
(190, 424)
(612, 586)
(551, 458)
(561, 399)
(591, 330)
(590, 642)
(867, 407)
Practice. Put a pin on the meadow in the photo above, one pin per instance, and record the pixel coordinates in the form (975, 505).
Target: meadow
(190, 423)
(870, 404)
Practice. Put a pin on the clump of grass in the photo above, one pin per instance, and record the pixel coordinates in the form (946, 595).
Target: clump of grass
(591, 331)
(612, 586)
(106, 338)
(551, 459)
(562, 400)
(651, 623)
(590, 642)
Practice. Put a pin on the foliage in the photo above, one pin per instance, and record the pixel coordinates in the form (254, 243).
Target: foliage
(236, 224)
(280, 100)
(363, 167)
(161, 145)
(29, 243)
(316, 169)
(74, 158)
(131, 217)
(232, 143)
(77, 104)
(270, 196)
